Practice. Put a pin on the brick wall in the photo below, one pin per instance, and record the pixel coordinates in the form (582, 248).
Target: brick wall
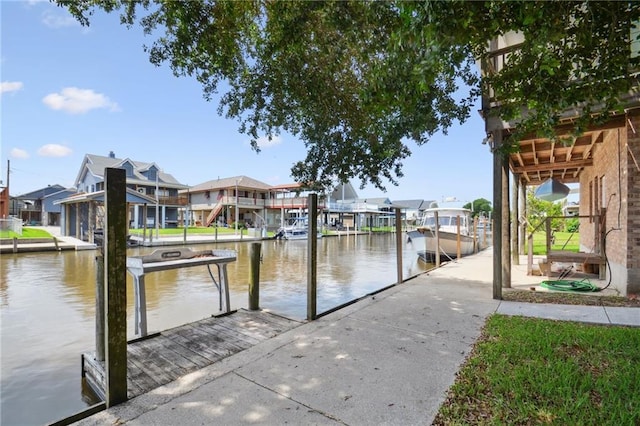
(603, 189)
(632, 153)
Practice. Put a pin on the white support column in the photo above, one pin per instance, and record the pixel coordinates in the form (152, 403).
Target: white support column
(136, 216)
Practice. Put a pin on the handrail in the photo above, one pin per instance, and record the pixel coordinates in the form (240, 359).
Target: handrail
(530, 248)
(547, 221)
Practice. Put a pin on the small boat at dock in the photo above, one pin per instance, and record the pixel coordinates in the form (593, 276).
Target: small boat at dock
(298, 229)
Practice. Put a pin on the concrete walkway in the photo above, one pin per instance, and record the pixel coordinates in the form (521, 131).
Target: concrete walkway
(385, 360)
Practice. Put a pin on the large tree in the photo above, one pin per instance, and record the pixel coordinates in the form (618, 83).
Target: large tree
(479, 207)
(357, 80)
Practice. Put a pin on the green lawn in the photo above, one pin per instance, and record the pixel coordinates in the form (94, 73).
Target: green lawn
(529, 371)
(562, 241)
(26, 233)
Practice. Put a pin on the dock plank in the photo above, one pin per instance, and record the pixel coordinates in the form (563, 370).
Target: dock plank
(158, 360)
(229, 337)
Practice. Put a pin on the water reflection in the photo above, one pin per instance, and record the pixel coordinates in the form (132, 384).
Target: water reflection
(47, 307)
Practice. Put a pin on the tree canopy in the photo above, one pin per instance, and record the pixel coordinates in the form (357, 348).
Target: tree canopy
(357, 80)
(479, 207)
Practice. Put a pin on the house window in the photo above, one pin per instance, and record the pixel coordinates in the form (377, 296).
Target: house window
(128, 167)
(603, 194)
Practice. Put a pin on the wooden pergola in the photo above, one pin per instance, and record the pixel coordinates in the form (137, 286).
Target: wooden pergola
(537, 160)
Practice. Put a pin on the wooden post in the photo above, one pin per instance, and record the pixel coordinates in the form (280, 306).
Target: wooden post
(475, 234)
(100, 302)
(491, 226)
(458, 253)
(437, 247)
(515, 191)
(55, 242)
(144, 224)
(505, 229)
(91, 226)
(312, 251)
(184, 238)
(523, 213)
(497, 217)
(547, 226)
(116, 291)
(530, 256)
(15, 244)
(398, 243)
(254, 277)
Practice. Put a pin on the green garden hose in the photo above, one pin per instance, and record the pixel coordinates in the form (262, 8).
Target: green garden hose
(570, 285)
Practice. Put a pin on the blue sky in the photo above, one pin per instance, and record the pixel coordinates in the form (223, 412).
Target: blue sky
(68, 91)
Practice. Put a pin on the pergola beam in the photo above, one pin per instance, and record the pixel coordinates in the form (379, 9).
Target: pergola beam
(553, 166)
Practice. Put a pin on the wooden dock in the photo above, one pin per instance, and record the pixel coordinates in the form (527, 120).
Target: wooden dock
(166, 356)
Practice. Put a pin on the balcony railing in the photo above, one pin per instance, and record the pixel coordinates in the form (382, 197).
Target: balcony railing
(173, 201)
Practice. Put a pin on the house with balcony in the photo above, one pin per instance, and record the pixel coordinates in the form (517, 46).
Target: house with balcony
(153, 198)
(604, 161)
(225, 201)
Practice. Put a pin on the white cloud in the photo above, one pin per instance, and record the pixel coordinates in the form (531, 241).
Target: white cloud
(264, 142)
(19, 153)
(57, 20)
(54, 150)
(10, 86)
(78, 101)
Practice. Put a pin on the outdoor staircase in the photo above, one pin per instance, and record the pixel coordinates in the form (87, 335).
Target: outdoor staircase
(213, 214)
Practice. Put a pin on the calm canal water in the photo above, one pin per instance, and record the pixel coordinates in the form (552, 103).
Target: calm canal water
(47, 307)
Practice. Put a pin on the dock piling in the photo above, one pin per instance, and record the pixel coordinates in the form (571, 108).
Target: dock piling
(254, 277)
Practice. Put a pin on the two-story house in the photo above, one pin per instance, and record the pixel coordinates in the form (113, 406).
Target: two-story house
(152, 196)
(241, 199)
(604, 161)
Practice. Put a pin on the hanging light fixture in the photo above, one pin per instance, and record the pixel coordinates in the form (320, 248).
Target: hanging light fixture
(552, 190)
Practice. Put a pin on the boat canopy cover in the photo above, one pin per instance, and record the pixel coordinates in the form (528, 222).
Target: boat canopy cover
(552, 190)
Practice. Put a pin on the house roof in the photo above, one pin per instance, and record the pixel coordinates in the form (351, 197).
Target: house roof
(344, 191)
(95, 164)
(133, 197)
(243, 182)
(60, 194)
(376, 201)
(40, 193)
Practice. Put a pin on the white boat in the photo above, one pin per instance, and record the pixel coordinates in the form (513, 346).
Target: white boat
(424, 236)
(296, 230)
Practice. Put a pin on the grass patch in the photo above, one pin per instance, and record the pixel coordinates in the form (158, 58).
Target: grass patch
(534, 371)
(26, 233)
(562, 241)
